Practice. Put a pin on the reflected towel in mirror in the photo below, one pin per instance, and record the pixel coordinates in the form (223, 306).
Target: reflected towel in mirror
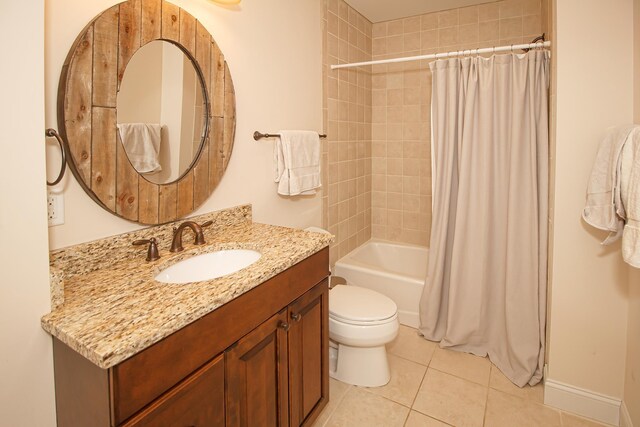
(141, 142)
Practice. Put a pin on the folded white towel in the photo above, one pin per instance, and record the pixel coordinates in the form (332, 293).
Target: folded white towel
(296, 156)
(603, 208)
(630, 195)
(141, 142)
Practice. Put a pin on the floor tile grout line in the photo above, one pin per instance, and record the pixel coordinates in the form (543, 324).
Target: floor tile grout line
(419, 387)
(486, 399)
(349, 387)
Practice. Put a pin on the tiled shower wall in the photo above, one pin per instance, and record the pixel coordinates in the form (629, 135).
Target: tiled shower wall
(376, 160)
(347, 121)
(401, 94)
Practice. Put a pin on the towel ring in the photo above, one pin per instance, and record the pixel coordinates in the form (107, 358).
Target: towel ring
(52, 133)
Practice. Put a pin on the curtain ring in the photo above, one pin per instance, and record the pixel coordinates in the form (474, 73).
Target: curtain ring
(511, 48)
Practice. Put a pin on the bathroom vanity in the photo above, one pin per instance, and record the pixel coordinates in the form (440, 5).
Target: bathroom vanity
(234, 351)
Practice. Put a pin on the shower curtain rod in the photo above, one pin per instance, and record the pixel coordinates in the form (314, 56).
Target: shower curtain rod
(447, 54)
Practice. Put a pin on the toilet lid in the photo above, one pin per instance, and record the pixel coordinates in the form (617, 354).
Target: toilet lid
(353, 303)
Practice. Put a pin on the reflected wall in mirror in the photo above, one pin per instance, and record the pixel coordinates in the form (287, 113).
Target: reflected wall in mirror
(89, 96)
(161, 112)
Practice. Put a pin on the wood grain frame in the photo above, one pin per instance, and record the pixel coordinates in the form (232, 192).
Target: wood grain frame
(87, 114)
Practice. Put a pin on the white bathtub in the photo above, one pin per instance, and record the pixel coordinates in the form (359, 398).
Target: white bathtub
(396, 270)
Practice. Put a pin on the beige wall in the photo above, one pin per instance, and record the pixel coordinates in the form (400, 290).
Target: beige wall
(274, 53)
(401, 107)
(589, 281)
(632, 377)
(26, 363)
(347, 102)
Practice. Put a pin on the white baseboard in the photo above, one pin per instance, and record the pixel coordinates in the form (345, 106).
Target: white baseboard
(583, 402)
(625, 418)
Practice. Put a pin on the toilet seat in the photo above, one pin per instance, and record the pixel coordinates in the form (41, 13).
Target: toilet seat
(360, 306)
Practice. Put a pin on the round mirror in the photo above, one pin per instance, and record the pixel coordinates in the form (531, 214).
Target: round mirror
(147, 68)
(161, 112)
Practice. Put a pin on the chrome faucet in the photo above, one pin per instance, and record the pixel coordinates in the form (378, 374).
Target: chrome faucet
(176, 243)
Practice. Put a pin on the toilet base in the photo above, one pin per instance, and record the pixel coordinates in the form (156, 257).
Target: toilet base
(361, 366)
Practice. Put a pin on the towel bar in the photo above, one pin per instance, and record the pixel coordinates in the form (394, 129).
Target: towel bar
(52, 133)
(259, 135)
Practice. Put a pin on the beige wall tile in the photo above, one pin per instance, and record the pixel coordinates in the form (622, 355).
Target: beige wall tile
(448, 18)
(429, 21)
(510, 27)
(447, 36)
(510, 8)
(429, 39)
(489, 30)
(411, 25)
(468, 33)
(531, 7)
(489, 12)
(531, 24)
(395, 27)
(411, 41)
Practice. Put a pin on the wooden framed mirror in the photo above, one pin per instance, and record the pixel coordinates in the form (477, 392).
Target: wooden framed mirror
(89, 88)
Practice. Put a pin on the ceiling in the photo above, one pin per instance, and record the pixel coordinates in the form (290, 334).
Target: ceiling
(387, 10)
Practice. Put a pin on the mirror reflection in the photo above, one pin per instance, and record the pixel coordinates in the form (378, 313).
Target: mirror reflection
(161, 112)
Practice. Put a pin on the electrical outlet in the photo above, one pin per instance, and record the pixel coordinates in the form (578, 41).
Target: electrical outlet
(55, 209)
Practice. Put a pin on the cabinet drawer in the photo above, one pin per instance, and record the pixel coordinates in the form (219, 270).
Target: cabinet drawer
(197, 401)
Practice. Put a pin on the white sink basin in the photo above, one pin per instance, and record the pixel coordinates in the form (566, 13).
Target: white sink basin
(208, 266)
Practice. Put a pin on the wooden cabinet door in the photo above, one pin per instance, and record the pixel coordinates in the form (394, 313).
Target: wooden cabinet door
(257, 376)
(309, 355)
(198, 401)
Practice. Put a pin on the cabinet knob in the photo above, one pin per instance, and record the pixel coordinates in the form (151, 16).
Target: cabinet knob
(296, 316)
(284, 325)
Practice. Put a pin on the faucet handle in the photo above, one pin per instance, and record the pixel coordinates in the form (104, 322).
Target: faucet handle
(152, 252)
(206, 224)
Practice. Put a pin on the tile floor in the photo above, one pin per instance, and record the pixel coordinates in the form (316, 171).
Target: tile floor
(432, 387)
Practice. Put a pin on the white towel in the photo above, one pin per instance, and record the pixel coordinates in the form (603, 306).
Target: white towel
(296, 157)
(604, 209)
(141, 141)
(630, 195)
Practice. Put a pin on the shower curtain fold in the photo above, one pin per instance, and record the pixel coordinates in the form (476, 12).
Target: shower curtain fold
(487, 274)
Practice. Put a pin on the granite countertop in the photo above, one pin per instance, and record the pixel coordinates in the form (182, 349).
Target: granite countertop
(112, 313)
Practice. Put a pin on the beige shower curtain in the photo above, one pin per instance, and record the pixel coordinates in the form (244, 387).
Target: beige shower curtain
(486, 286)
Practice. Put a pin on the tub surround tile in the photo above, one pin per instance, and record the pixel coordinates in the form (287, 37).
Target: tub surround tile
(113, 312)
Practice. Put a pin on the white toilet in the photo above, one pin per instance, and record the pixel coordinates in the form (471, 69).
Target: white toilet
(361, 322)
